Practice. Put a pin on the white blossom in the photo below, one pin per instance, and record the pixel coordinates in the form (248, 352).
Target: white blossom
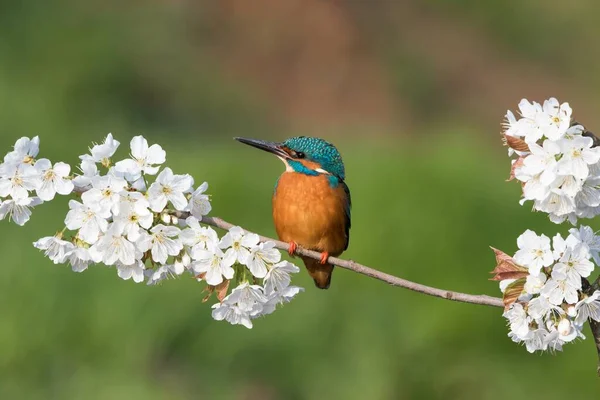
(169, 188)
(249, 298)
(238, 244)
(555, 118)
(53, 179)
(18, 210)
(552, 341)
(198, 237)
(535, 283)
(588, 308)
(144, 159)
(25, 151)
(113, 247)
(534, 251)
(101, 153)
(261, 257)
(533, 189)
(91, 221)
(558, 203)
(164, 272)
(232, 314)
(540, 307)
(79, 257)
(559, 288)
(518, 320)
(575, 264)
(199, 204)
(162, 242)
(134, 271)
(54, 248)
(542, 161)
(285, 295)
(577, 155)
(19, 180)
(587, 237)
(90, 170)
(105, 192)
(528, 125)
(245, 302)
(559, 245)
(536, 340)
(278, 278)
(134, 215)
(213, 265)
(158, 275)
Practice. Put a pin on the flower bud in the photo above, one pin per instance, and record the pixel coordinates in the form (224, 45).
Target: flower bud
(186, 259)
(166, 218)
(174, 220)
(178, 267)
(564, 327)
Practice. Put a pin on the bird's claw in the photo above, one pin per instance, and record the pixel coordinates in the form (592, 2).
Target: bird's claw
(292, 249)
(324, 257)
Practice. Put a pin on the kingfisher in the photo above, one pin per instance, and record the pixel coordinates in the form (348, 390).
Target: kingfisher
(311, 201)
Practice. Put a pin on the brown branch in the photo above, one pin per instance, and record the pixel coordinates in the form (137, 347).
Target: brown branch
(394, 280)
(596, 333)
(364, 270)
(595, 326)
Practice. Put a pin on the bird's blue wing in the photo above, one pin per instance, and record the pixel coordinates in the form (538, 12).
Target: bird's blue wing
(348, 211)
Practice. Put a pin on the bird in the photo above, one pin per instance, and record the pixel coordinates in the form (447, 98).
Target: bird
(311, 201)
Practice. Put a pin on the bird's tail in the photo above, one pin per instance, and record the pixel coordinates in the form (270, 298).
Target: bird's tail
(321, 273)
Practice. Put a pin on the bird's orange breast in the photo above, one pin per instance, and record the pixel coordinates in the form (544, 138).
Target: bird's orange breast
(309, 211)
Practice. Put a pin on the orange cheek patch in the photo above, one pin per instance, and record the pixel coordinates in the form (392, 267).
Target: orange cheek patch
(309, 164)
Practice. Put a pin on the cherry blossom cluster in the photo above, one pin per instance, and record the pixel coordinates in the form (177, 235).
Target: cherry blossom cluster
(26, 182)
(146, 223)
(546, 304)
(549, 288)
(556, 162)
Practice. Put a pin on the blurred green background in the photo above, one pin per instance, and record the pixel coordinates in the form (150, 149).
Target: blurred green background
(412, 93)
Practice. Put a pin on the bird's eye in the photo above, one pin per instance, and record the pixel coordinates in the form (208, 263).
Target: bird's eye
(300, 154)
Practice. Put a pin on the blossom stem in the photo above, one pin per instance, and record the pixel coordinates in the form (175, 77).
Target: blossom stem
(244, 274)
(364, 270)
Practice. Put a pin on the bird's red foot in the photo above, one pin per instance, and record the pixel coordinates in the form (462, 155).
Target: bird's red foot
(324, 257)
(292, 249)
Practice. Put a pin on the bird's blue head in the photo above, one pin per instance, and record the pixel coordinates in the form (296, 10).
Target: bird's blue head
(307, 155)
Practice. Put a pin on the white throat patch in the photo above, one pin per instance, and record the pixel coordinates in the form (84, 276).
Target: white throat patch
(288, 167)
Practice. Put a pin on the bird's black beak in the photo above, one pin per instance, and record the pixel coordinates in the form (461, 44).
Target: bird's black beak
(271, 147)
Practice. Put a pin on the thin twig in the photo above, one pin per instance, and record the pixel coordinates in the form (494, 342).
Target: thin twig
(364, 270)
